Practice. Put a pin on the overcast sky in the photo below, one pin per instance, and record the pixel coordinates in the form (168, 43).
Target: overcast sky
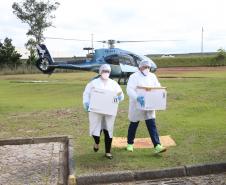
(127, 20)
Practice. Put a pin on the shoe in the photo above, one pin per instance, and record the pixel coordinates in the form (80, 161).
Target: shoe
(94, 148)
(108, 156)
(159, 149)
(129, 148)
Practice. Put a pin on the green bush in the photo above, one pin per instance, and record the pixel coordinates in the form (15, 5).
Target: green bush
(189, 62)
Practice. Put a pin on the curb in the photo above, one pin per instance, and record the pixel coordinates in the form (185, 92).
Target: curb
(124, 176)
(130, 176)
(157, 174)
(204, 169)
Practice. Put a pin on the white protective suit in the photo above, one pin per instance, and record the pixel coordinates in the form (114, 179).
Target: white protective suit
(138, 79)
(98, 121)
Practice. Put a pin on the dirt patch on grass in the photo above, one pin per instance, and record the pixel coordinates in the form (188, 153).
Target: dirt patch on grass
(120, 142)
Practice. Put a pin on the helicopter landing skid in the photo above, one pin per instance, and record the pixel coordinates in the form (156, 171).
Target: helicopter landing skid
(124, 76)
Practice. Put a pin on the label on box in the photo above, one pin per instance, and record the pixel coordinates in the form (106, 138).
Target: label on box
(103, 102)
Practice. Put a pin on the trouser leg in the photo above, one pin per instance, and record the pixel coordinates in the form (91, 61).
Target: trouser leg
(108, 141)
(153, 132)
(95, 123)
(96, 139)
(132, 132)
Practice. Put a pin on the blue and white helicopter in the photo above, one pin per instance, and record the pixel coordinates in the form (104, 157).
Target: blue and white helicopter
(123, 63)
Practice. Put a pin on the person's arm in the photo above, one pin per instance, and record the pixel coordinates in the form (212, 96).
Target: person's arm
(131, 87)
(156, 81)
(86, 93)
(120, 93)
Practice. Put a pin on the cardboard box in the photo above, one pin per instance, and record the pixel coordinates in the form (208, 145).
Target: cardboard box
(103, 102)
(154, 97)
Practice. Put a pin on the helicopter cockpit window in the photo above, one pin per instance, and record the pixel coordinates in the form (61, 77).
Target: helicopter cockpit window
(112, 59)
(137, 59)
(127, 60)
(121, 59)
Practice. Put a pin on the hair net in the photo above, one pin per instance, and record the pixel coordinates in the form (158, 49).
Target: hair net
(145, 63)
(106, 67)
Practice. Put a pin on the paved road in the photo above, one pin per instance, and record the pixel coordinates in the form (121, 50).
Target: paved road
(217, 179)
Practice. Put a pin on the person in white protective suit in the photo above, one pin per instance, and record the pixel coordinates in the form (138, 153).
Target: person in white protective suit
(143, 78)
(101, 122)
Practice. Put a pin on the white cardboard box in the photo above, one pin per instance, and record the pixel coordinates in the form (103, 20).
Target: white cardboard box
(103, 102)
(154, 97)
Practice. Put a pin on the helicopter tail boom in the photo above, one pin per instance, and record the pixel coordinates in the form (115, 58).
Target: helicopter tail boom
(45, 61)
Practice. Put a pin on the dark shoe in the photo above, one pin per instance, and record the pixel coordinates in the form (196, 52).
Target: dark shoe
(94, 148)
(108, 156)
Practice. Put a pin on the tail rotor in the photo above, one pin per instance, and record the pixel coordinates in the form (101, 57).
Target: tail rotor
(45, 60)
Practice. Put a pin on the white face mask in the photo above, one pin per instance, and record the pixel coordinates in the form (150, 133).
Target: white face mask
(146, 71)
(105, 76)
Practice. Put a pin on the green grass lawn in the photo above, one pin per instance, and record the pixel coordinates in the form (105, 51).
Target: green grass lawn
(195, 118)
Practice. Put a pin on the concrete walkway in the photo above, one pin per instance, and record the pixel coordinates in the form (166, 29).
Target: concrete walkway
(34, 164)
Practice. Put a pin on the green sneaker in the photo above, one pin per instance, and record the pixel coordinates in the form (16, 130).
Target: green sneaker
(129, 148)
(159, 149)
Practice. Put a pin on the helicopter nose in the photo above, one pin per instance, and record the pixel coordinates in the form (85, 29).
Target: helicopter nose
(153, 67)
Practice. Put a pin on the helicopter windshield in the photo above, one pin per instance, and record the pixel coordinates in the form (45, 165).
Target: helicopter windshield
(121, 59)
(136, 59)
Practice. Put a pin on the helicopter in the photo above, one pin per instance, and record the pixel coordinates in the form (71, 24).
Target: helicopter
(123, 63)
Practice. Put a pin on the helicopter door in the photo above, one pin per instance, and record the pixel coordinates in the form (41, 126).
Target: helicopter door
(121, 64)
(113, 61)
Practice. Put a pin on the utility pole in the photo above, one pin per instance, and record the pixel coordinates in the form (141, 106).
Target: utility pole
(202, 41)
(92, 42)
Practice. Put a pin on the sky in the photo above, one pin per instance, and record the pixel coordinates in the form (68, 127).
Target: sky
(180, 20)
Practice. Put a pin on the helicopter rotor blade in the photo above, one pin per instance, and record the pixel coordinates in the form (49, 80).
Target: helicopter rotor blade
(101, 41)
(60, 38)
(112, 41)
(156, 40)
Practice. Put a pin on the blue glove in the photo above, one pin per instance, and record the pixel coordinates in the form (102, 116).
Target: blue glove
(140, 100)
(86, 106)
(119, 97)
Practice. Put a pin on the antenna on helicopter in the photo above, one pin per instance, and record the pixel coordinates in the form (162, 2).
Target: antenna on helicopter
(92, 42)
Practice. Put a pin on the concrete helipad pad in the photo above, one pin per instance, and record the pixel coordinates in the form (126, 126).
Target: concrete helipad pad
(120, 142)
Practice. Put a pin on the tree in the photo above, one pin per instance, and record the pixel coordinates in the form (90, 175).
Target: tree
(30, 46)
(220, 58)
(8, 55)
(221, 54)
(38, 15)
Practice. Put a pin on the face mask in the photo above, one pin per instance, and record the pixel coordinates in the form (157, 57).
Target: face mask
(146, 71)
(105, 76)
